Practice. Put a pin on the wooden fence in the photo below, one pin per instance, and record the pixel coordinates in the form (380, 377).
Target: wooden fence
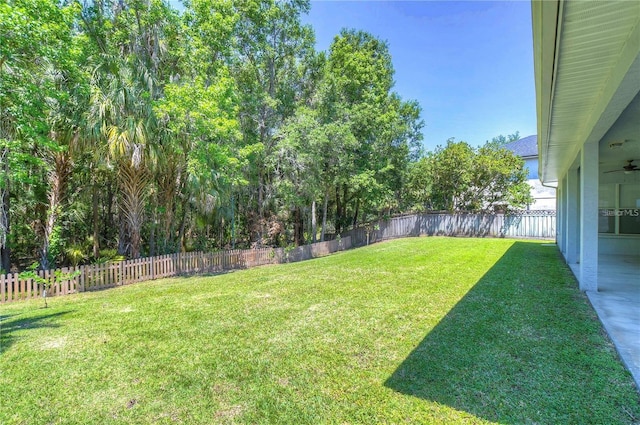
(541, 225)
(109, 275)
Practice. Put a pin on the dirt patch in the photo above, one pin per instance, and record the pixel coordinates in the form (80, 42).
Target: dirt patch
(230, 412)
(54, 343)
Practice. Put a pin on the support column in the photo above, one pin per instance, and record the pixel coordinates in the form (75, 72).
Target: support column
(560, 216)
(571, 217)
(565, 212)
(589, 217)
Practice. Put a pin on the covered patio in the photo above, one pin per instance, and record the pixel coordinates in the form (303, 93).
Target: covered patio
(617, 303)
(587, 70)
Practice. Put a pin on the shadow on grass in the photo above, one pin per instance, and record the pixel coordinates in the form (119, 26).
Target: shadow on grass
(11, 324)
(522, 346)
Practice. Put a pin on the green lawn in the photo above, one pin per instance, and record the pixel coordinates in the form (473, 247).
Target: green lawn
(421, 330)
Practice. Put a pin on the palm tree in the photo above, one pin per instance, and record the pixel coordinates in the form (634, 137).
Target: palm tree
(122, 110)
(66, 122)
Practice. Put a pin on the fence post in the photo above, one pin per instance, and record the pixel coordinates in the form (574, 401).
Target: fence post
(10, 276)
(20, 288)
(81, 278)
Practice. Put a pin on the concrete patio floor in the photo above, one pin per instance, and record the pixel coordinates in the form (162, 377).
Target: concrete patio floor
(617, 304)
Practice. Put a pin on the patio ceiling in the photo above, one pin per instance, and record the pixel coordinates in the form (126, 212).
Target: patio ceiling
(587, 71)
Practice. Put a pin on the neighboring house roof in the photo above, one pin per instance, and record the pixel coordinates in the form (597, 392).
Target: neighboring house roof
(525, 147)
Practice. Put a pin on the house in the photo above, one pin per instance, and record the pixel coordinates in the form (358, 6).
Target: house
(544, 197)
(587, 74)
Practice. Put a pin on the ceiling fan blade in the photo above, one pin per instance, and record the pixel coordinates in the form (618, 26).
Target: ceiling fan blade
(627, 168)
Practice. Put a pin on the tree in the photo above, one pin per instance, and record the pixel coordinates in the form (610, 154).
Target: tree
(451, 175)
(417, 188)
(66, 106)
(36, 55)
(357, 92)
(270, 43)
(127, 126)
(499, 180)
(476, 179)
(293, 166)
(58, 276)
(135, 57)
(501, 140)
(202, 120)
(123, 112)
(198, 160)
(311, 156)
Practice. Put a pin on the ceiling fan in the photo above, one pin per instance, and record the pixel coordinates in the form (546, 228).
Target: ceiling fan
(627, 168)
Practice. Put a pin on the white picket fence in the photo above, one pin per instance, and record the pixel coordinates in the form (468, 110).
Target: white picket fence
(100, 276)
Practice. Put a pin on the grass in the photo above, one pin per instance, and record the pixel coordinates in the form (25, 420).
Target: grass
(421, 330)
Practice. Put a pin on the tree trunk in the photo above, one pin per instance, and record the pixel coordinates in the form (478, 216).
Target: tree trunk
(220, 232)
(5, 258)
(324, 216)
(122, 234)
(261, 218)
(169, 183)
(152, 233)
(58, 179)
(355, 216)
(109, 222)
(298, 228)
(345, 204)
(183, 221)
(45, 263)
(314, 222)
(133, 182)
(338, 212)
(96, 220)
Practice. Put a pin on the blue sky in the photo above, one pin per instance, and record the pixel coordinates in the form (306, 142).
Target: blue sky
(469, 64)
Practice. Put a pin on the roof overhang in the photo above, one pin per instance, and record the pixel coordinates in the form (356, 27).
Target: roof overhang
(587, 71)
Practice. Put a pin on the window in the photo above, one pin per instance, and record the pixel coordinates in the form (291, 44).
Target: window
(606, 203)
(630, 205)
(619, 209)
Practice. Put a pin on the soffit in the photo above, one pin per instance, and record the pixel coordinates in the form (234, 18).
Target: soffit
(592, 50)
(625, 131)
